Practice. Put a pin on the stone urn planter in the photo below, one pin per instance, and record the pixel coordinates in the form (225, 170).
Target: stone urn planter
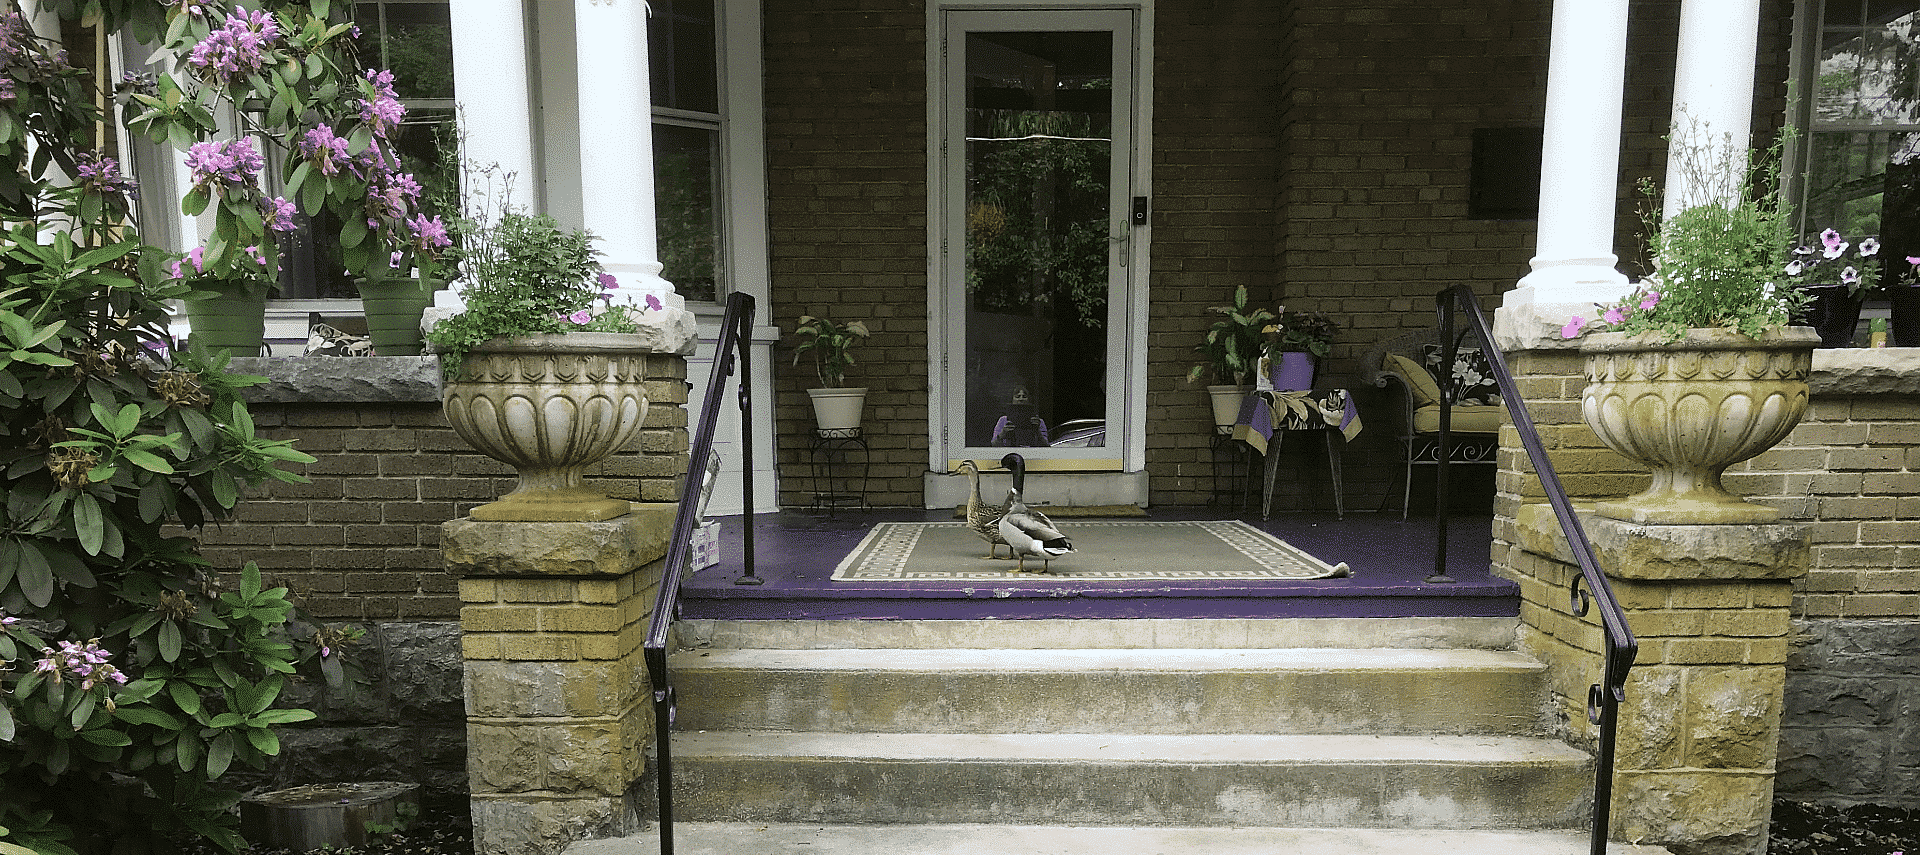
(551, 406)
(1689, 409)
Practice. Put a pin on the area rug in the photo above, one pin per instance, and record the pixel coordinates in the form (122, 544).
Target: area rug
(1120, 550)
(1066, 512)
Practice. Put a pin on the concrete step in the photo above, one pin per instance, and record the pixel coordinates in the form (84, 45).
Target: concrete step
(1480, 633)
(1221, 690)
(719, 838)
(1492, 782)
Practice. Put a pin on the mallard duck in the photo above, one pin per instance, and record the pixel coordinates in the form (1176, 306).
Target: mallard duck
(983, 518)
(1029, 532)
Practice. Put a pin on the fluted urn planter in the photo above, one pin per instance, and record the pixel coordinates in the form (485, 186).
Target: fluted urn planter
(1689, 409)
(550, 406)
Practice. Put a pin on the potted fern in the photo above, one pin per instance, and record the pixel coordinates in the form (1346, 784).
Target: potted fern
(836, 408)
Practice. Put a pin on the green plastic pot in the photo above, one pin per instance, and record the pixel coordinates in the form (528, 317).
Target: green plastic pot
(393, 308)
(235, 321)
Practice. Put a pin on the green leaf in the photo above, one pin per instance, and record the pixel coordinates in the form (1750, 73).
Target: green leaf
(278, 717)
(219, 755)
(186, 751)
(184, 696)
(195, 202)
(263, 740)
(169, 641)
(83, 710)
(89, 524)
(148, 715)
(6, 724)
(250, 581)
(147, 460)
(109, 738)
(35, 575)
(353, 230)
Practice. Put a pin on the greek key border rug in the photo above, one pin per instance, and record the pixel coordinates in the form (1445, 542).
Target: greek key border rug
(1116, 550)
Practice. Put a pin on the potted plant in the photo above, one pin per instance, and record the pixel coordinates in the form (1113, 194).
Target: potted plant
(544, 368)
(299, 88)
(836, 408)
(1232, 350)
(1297, 341)
(1699, 369)
(1836, 275)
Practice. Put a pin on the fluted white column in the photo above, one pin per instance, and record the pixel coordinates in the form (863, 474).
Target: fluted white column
(490, 82)
(616, 143)
(1573, 263)
(1712, 101)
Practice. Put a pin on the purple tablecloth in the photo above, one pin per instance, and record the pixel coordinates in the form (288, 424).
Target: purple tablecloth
(1262, 413)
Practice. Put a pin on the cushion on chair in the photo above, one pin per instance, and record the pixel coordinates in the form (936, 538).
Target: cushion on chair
(1425, 391)
(1472, 376)
(1466, 419)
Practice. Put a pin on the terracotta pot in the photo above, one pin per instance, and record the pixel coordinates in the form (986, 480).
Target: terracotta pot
(1687, 410)
(836, 412)
(551, 406)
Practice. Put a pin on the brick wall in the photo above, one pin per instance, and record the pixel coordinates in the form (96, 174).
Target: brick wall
(361, 540)
(847, 174)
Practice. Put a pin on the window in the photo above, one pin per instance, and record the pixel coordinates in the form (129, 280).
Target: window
(415, 41)
(1860, 117)
(682, 51)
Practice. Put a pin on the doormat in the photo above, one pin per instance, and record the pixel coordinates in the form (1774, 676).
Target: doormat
(1120, 550)
(1066, 512)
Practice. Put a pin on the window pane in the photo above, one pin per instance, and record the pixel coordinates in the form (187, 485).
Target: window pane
(419, 49)
(681, 55)
(684, 190)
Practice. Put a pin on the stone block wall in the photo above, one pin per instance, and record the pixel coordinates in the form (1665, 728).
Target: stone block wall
(1849, 474)
(361, 545)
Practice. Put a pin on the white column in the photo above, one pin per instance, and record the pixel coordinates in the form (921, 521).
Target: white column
(1712, 100)
(490, 81)
(616, 143)
(1573, 264)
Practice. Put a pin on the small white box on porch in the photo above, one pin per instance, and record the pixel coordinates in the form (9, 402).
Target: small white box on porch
(706, 545)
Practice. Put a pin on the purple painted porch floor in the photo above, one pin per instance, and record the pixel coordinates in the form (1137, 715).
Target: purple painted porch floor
(1391, 559)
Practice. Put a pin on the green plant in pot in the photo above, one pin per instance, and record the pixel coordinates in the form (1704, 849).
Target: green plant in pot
(1297, 341)
(1232, 349)
(1836, 275)
(836, 408)
(545, 371)
(1699, 368)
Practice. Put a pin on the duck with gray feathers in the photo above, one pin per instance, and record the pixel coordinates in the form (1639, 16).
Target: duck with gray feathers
(1028, 532)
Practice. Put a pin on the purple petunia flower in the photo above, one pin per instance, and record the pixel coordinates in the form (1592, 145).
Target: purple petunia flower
(1869, 247)
(1650, 300)
(653, 302)
(1573, 327)
(1614, 316)
(582, 317)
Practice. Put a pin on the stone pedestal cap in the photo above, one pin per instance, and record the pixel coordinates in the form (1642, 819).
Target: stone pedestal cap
(1628, 550)
(603, 548)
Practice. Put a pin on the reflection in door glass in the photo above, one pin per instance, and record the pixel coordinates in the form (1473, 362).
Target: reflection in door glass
(1038, 159)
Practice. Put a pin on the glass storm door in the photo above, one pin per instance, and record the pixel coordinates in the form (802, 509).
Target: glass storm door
(1032, 292)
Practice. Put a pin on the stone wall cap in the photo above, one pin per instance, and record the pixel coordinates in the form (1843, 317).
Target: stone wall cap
(1865, 371)
(341, 379)
(1627, 550)
(607, 548)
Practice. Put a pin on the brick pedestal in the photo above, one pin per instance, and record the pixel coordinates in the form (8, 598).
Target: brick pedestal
(1699, 730)
(559, 716)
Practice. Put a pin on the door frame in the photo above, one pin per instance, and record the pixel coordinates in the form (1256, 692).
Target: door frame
(1126, 439)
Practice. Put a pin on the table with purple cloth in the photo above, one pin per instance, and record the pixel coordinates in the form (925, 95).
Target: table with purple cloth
(1264, 415)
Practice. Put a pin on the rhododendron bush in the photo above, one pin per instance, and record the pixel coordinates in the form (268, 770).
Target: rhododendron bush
(133, 679)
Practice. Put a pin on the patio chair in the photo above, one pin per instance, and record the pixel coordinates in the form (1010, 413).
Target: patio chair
(1408, 367)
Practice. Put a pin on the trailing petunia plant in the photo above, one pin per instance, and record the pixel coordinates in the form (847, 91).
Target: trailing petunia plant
(1836, 262)
(1721, 261)
(132, 677)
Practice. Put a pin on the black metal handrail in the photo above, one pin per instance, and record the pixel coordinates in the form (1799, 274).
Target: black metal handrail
(1603, 698)
(666, 606)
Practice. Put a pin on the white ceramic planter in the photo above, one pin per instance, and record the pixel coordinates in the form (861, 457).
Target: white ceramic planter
(838, 411)
(1226, 403)
(1687, 410)
(551, 406)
